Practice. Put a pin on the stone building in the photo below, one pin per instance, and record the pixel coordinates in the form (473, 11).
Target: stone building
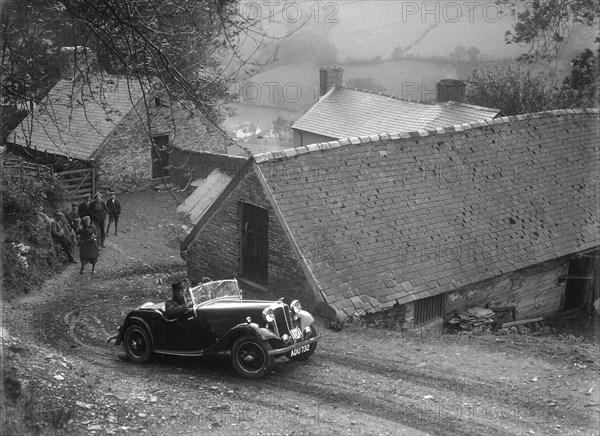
(127, 134)
(500, 212)
(343, 112)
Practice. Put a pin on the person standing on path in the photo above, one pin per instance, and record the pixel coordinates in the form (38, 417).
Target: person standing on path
(88, 245)
(84, 207)
(114, 210)
(59, 236)
(98, 215)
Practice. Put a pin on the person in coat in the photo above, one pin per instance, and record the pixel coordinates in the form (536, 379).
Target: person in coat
(88, 245)
(59, 235)
(98, 215)
(84, 207)
(177, 307)
(114, 210)
(73, 219)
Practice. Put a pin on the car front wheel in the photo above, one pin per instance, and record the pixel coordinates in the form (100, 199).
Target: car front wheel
(250, 357)
(137, 344)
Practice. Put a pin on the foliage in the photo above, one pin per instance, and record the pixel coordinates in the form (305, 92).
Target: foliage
(582, 82)
(23, 197)
(184, 50)
(520, 90)
(280, 124)
(460, 53)
(512, 90)
(544, 25)
(367, 83)
(22, 277)
(28, 255)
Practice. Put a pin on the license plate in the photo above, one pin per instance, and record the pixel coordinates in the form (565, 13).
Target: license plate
(299, 350)
(296, 333)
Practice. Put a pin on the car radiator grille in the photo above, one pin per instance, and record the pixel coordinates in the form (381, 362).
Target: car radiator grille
(283, 320)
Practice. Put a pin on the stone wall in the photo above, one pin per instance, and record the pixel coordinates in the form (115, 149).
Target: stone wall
(215, 251)
(124, 160)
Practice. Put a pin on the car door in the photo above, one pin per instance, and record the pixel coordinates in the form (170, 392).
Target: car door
(184, 334)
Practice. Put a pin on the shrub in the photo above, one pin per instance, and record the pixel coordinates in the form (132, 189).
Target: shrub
(28, 256)
(23, 196)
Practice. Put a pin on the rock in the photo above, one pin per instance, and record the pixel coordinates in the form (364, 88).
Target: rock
(83, 405)
(153, 399)
(94, 427)
(428, 397)
(534, 379)
(58, 377)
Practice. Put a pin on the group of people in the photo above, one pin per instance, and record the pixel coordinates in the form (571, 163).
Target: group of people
(84, 225)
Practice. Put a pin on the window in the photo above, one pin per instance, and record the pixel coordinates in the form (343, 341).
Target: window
(429, 308)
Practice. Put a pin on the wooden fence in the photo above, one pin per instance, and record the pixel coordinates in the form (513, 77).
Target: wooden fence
(13, 166)
(77, 183)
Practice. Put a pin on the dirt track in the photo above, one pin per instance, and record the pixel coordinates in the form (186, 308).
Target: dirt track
(359, 381)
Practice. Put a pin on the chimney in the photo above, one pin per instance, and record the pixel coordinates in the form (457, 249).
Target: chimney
(451, 90)
(76, 61)
(329, 76)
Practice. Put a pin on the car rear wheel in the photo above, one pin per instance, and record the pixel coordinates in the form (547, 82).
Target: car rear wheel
(311, 348)
(137, 343)
(250, 357)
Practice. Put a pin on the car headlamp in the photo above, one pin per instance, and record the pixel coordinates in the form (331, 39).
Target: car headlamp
(269, 314)
(296, 306)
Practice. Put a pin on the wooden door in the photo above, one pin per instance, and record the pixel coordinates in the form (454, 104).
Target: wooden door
(160, 157)
(254, 243)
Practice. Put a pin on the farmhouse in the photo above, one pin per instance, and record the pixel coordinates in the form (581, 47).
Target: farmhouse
(500, 212)
(343, 112)
(112, 126)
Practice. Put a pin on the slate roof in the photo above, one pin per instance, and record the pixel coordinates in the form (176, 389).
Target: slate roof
(393, 218)
(345, 112)
(76, 117)
(206, 192)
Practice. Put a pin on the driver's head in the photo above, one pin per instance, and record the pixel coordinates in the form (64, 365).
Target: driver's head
(178, 288)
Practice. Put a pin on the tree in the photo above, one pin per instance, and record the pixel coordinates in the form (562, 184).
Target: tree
(513, 90)
(582, 82)
(473, 54)
(189, 51)
(366, 83)
(544, 25)
(458, 54)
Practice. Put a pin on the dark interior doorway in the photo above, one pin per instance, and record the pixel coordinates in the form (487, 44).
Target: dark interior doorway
(577, 283)
(254, 243)
(160, 157)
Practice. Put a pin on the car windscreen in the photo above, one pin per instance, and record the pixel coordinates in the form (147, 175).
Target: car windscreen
(210, 290)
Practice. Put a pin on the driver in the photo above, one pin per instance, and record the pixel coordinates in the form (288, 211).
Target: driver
(177, 307)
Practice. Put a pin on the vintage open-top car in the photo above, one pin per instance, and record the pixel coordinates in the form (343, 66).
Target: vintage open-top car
(255, 332)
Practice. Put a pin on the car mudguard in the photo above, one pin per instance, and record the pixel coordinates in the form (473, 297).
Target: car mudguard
(251, 329)
(305, 318)
(133, 320)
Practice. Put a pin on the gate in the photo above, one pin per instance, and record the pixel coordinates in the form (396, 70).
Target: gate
(77, 183)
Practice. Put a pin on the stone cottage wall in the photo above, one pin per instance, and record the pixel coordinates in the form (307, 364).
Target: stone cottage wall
(124, 160)
(215, 251)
